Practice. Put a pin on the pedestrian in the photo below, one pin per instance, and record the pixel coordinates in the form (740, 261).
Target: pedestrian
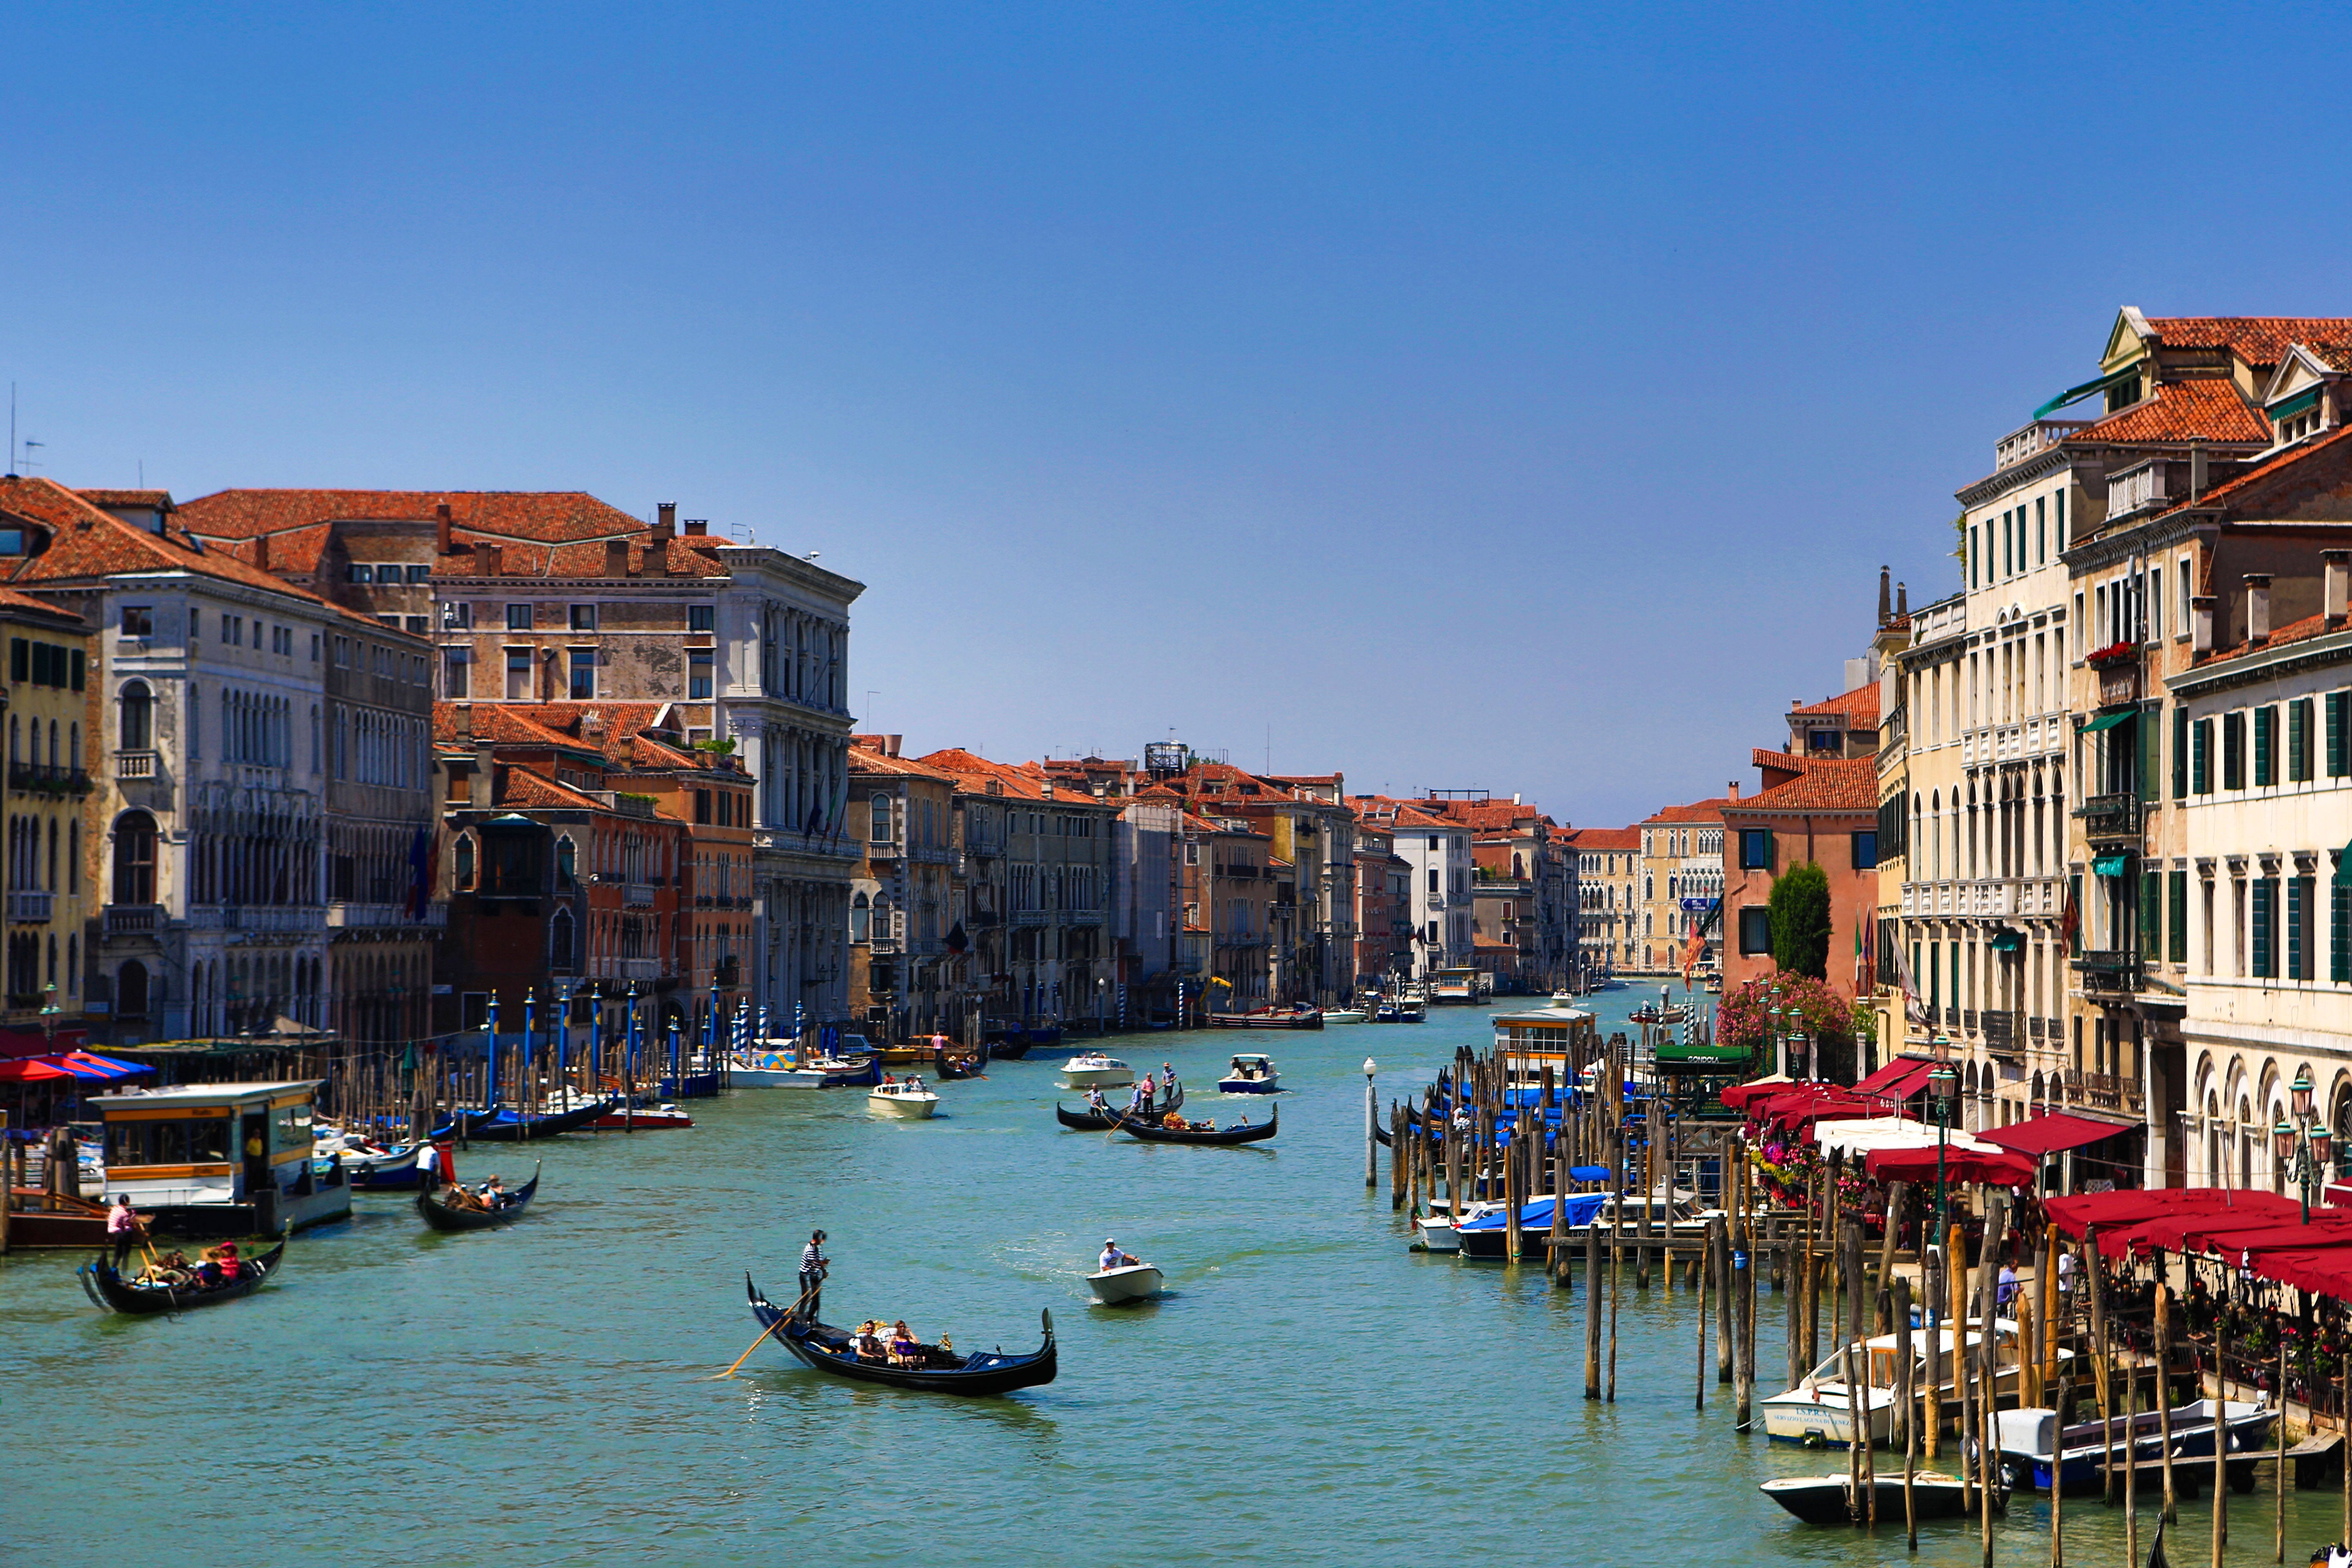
(428, 1166)
(2065, 1286)
(123, 1226)
(814, 1265)
(2005, 1290)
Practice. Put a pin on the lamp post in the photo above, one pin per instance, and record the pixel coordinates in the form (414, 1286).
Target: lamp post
(49, 1011)
(1772, 1028)
(2304, 1147)
(1942, 1084)
(1371, 1144)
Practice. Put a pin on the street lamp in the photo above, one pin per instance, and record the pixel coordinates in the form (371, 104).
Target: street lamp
(2303, 1148)
(1943, 1084)
(1371, 1144)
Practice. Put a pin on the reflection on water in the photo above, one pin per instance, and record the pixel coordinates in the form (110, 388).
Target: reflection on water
(1308, 1391)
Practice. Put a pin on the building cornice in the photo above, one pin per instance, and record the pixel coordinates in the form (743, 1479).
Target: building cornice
(2032, 469)
(2157, 533)
(2267, 666)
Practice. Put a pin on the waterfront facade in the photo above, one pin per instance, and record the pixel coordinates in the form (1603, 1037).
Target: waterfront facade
(1681, 889)
(908, 939)
(48, 893)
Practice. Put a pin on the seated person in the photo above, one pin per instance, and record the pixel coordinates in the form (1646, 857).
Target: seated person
(231, 1265)
(905, 1349)
(1174, 1123)
(1112, 1257)
(867, 1346)
(494, 1193)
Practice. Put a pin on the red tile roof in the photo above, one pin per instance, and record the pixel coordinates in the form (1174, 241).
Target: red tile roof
(1604, 838)
(2294, 631)
(149, 501)
(2207, 408)
(872, 762)
(1859, 707)
(548, 516)
(1824, 784)
(1697, 811)
(1016, 780)
(2258, 340)
(1394, 813)
(2227, 494)
(526, 788)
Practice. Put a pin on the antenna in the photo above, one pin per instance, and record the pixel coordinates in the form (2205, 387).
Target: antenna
(29, 444)
(12, 429)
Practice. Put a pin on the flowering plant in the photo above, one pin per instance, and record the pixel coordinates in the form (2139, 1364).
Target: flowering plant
(1742, 1018)
(2114, 653)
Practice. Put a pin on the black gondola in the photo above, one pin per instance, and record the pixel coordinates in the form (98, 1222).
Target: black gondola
(824, 1348)
(1097, 1121)
(108, 1289)
(506, 1126)
(441, 1217)
(1245, 1133)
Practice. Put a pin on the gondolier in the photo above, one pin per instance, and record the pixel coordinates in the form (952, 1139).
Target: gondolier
(813, 1265)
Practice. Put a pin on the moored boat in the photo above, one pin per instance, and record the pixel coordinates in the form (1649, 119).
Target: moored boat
(1346, 1016)
(641, 1119)
(1400, 1010)
(1485, 1233)
(108, 1288)
(907, 1101)
(1269, 1018)
(1817, 1410)
(1250, 1075)
(1835, 1499)
(942, 1370)
(443, 1216)
(2025, 1439)
(1092, 1069)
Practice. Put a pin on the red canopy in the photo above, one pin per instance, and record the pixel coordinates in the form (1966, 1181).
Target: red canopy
(1887, 1080)
(2196, 1230)
(1738, 1096)
(2325, 1271)
(25, 1070)
(2319, 1235)
(1918, 1165)
(2048, 1133)
(2080, 1213)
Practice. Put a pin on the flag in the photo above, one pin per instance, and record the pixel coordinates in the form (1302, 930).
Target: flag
(1913, 1012)
(2072, 920)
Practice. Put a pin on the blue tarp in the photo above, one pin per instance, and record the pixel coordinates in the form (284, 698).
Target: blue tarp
(1588, 1173)
(1537, 1215)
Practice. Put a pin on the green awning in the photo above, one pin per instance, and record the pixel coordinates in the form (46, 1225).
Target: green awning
(2012, 941)
(2129, 372)
(2344, 867)
(2295, 404)
(2109, 720)
(2108, 865)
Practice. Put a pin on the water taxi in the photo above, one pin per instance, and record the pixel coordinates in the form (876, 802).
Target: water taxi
(221, 1159)
(1092, 1069)
(1250, 1075)
(907, 1101)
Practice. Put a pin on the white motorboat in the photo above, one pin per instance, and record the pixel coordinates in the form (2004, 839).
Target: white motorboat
(1136, 1282)
(1816, 1408)
(908, 1101)
(1250, 1075)
(1346, 1016)
(1092, 1069)
(1438, 1233)
(770, 1063)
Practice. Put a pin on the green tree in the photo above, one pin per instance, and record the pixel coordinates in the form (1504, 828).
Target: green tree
(1799, 913)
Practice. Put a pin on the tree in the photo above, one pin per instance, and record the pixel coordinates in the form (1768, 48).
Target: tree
(1799, 915)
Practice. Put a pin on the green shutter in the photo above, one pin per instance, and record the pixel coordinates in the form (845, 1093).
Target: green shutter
(2340, 933)
(1771, 854)
(2177, 928)
(2075, 899)
(75, 660)
(2179, 752)
(2233, 750)
(2201, 770)
(2265, 746)
(2265, 890)
(2298, 740)
(2151, 755)
(2295, 893)
(2062, 519)
(2335, 768)
(2151, 911)
(16, 657)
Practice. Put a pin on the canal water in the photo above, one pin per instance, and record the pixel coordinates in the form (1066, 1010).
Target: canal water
(1308, 1391)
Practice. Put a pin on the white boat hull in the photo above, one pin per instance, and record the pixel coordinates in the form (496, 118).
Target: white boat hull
(1098, 1077)
(1438, 1234)
(905, 1107)
(775, 1078)
(1345, 1016)
(1792, 1417)
(1136, 1283)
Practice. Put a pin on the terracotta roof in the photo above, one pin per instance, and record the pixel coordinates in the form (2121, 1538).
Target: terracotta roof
(1783, 761)
(1697, 811)
(2224, 494)
(548, 516)
(1332, 779)
(1392, 814)
(1824, 785)
(2207, 408)
(127, 499)
(874, 763)
(559, 724)
(12, 600)
(524, 787)
(2258, 340)
(2294, 631)
(972, 773)
(1591, 839)
(1859, 707)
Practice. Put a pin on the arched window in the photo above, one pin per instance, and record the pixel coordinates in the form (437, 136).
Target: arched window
(464, 863)
(73, 856)
(861, 916)
(51, 882)
(13, 754)
(134, 859)
(559, 941)
(53, 745)
(138, 732)
(53, 958)
(1518, 866)
(131, 991)
(563, 864)
(881, 828)
(73, 747)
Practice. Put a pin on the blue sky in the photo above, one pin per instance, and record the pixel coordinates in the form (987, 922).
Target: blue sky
(1509, 396)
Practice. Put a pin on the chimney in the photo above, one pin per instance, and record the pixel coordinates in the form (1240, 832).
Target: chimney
(2201, 614)
(441, 542)
(1733, 789)
(1884, 574)
(665, 526)
(697, 527)
(890, 744)
(2337, 586)
(2258, 608)
(490, 558)
(261, 550)
(616, 558)
(2196, 470)
(1902, 602)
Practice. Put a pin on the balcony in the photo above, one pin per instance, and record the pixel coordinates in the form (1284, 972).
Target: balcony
(2000, 1032)
(385, 917)
(637, 894)
(32, 907)
(2106, 1091)
(2021, 444)
(2109, 971)
(2135, 488)
(2110, 818)
(134, 765)
(279, 917)
(883, 947)
(729, 973)
(133, 920)
(47, 780)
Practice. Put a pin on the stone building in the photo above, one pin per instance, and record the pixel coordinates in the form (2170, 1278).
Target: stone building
(910, 962)
(48, 894)
(1609, 883)
(1438, 853)
(1383, 907)
(1682, 886)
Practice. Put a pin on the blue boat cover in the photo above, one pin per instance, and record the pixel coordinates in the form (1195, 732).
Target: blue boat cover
(1588, 1173)
(1582, 1207)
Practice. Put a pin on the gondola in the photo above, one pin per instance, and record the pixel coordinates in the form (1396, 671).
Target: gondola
(824, 1348)
(472, 1121)
(1095, 1121)
(441, 1217)
(393, 1172)
(1244, 1133)
(108, 1289)
(953, 1067)
(506, 1126)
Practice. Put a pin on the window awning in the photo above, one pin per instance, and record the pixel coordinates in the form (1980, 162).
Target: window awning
(2050, 1133)
(2073, 393)
(2109, 720)
(2108, 865)
(2293, 405)
(1894, 1072)
(2344, 867)
(2007, 940)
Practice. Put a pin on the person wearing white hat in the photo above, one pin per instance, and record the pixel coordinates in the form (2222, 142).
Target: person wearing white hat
(1112, 1257)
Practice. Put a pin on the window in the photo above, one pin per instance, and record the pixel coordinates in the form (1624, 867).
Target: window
(2336, 763)
(2298, 740)
(134, 859)
(558, 943)
(1866, 851)
(1433, 879)
(518, 617)
(2179, 752)
(1754, 849)
(2339, 930)
(464, 863)
(420, 574)
(566, 861)
(2266, 747)
(457, 618)
(2233, 750)
(138, 621)
(363, 573)
(878, 829)
(2265, 927)
(698, 675)
(137, 718)
(2200, 749)
(584, 673)
(701, 618)
(1755, 930)
(861, 916)
(419, 625)
(517, 675)
(453, 672)
(2151, 911)
(583, 617)
(73, 669)
(2299, 892)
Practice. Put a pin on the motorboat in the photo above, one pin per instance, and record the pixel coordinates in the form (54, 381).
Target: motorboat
(1487, 1235)
(1250, 1075)
(1346, 1016)
(770, 1063)
(1816, 1409)
(1113, 1286)
(1092, 1069)
(1835, 1499)
(2026, 1436)
(1269, 1018)
(908, 1101)
(642, 1119)
(1436, 1227)
(1400, 1010)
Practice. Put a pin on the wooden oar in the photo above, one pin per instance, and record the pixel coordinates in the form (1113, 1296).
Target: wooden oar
(770, 1329)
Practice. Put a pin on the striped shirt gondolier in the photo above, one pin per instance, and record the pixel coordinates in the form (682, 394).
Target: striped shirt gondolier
(813, 1261)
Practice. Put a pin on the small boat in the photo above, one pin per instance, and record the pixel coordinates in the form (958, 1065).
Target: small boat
(442, 1217)
(104, 1284)
(955, 1065)
(1241, 1132)
(1486, 1234)
(1092, 1069)
(1093, 1121)
(1437, 1228)
(1250, 1075)
(908, 1101)
(944, 1370)
(504, 1125)
(1824, 1500)
(2023, 1438)
(394, 1171)
(1400, 1010)
(1346, 1016)
(1009, 1045)
(1113, 1286)
(1816, 1410)
(769, 1063)
(1269, 1018)
(641, 1119)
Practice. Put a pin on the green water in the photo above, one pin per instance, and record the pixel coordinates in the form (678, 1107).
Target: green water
(1307, 1392)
